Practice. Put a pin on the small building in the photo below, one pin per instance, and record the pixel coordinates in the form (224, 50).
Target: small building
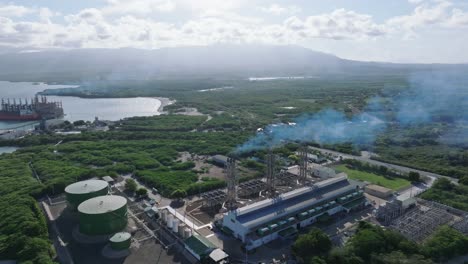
(199, 246)
(322, 172)
(220, 160)
(406, 200)
(316, 159)
(378, 191)
(109, 180)
(217, 256)
(151, 211)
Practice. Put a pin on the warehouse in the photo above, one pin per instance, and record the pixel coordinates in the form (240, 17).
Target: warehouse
(267, 220)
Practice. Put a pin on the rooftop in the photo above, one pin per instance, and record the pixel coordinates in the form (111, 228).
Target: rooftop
(87, 186)
(378, 188)
(102, 204)
(120, 237)
(217, 255)
(199, 244)
(264, 211)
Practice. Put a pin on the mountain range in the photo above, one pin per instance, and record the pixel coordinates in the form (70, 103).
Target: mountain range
(215, 61)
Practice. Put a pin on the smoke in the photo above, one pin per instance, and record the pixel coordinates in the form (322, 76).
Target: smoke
(326, 127)
(430, 97)
(433, 96)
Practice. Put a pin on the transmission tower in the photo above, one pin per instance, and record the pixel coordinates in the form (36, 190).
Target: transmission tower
(231, 180)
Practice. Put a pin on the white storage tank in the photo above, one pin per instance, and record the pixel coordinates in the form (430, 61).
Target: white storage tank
(175, 225)
(170, 220)
(164, 216)
(181, 229)
(187, 232)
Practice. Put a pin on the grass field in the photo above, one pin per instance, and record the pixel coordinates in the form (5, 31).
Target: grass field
(391, 183)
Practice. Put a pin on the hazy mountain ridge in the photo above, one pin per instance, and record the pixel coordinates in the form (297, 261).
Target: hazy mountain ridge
(216, 61)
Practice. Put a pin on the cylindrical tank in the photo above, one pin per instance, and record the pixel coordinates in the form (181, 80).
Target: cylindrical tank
(103, 215)
(175, 225)
(181, 229)
(79, 192)
(187, 232)
(120, 241)
(170, 220)
(164, 216)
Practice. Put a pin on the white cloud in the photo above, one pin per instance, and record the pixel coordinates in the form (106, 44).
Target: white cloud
(438, 13)
(415, 1)
(339, 24)
(140, 7)
(11, 10)
(276, 9)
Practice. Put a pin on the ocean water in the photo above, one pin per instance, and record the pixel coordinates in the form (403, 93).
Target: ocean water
(76, 108)
(7, 150)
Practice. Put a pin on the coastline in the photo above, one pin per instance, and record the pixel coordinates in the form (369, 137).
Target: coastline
(164, 102)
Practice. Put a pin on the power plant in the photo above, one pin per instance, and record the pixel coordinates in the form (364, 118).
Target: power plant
(36, 109)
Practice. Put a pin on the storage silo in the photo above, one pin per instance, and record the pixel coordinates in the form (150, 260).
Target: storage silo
(103, 215)
(79, 192)
(187, 232)
(164, 216)
(120, 241)
(170, 221)
(175, 225)
(181, 229)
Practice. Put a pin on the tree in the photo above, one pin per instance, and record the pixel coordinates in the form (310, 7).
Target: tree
(398, 257)
(414, 176)
(79, 123)
(446, 243)
(178, 194)
(130, 185)
(317, 260)
(142, 192)
(314, 243)
(463, 180)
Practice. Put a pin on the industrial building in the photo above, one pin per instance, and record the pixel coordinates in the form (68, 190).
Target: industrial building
(378, 191)
(79, 192)
(103, 215)
(264, 221)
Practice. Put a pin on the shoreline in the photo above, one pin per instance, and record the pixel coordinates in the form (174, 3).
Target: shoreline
(164, 102)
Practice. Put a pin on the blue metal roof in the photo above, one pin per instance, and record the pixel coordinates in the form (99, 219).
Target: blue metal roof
(271, 211)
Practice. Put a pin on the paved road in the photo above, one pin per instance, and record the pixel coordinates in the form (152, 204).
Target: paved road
(380, 163)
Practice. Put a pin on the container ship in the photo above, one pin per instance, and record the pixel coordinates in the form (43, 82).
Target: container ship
(35, 109)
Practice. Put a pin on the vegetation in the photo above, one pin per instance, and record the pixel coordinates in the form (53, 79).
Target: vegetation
(23, 227)
(141, 192)
(414, 176)
(443, 191)
(393, 183)
(446, 243)
(131, 185)
(374, 245)
(315, 243)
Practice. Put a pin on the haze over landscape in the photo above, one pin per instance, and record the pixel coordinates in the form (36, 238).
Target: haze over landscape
(234, 131)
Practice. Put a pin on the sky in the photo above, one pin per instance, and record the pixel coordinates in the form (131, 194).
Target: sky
(415, 31)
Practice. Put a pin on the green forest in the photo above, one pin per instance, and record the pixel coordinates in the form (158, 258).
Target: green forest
(374, 245)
